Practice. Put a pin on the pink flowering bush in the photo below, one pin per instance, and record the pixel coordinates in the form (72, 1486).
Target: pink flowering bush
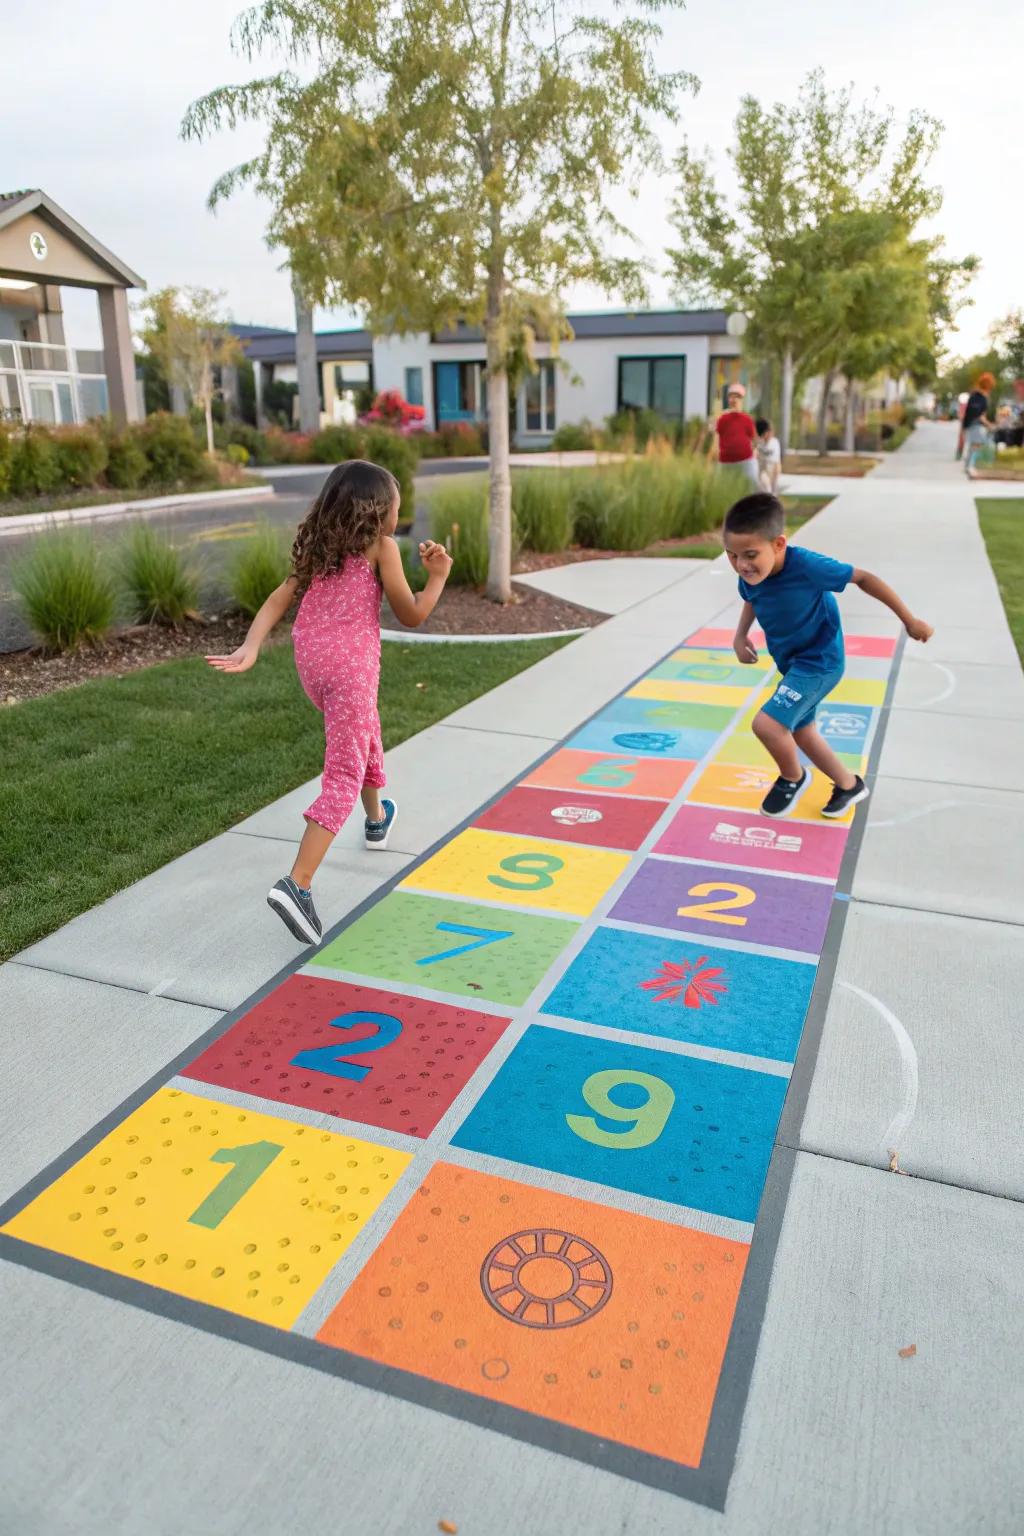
(390, 410)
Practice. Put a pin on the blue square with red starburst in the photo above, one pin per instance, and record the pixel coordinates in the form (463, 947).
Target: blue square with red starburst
(727, 999)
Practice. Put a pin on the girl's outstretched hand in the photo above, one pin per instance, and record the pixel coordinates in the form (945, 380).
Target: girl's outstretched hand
(239, 661)
(436, 558)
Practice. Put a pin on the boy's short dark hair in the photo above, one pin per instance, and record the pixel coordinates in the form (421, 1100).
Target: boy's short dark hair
(760, 514)
(762, 424)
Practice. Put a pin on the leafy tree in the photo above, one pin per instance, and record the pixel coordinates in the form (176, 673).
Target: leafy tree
(1007, 336)
(821, 187)
(182, 330)
(432, 161)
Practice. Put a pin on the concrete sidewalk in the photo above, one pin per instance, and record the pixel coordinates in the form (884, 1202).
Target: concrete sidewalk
(121, 1420)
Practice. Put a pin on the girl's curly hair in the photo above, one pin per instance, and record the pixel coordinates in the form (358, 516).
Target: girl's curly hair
(345, 519)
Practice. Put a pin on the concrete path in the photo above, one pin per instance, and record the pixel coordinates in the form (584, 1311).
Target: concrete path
(118, 1419)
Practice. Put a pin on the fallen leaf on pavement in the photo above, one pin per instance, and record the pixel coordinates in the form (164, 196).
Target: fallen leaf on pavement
(911, 1349)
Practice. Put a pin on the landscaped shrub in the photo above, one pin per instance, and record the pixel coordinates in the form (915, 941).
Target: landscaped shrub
(399, 454)
(127, 465)
(35, 468)
(169, 445)
(251, 439)
(458, 519)
(261, 564)
(6, 459)
(573, 437)
(638, 427)
(162, 587)
(334, 445)
(389, 409)
(542, 503)
(81, 455)
(289, 447)
(453, 440)
(416, 573)
(68, 596)
(235, 453)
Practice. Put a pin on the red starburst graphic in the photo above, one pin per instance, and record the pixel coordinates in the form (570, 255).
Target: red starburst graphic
(691, 983)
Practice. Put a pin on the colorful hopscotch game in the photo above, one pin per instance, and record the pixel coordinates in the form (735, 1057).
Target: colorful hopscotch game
(500, 1145)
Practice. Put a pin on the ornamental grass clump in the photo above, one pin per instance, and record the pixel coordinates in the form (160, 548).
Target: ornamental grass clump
(161, 585)
(542, 506)
(68, 596)
(261, 564)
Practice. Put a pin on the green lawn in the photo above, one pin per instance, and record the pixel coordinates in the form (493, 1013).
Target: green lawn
(1002, 527)
(106, 782)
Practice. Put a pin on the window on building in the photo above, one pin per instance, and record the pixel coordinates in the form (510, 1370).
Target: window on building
(539, 399)
(653, 384)
(461, 391)
(414, 386)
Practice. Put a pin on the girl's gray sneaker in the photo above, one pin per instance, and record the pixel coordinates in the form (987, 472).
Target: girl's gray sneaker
(378, 832)
(295, 908)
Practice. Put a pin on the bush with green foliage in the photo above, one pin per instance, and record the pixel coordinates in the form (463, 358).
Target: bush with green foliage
(127, 464)
(67, 595)
(574, 437)
(261, 563)
(459, 520)
(394, 452)
(638, 427)
(6, 459)
(250, 438)
(288, 447)
(161, 586)
(542, 506)
(334, 445)
(453, 440)
(416, 573)
(169, 445)
(35, 467)
(81, 455)
(235, 453)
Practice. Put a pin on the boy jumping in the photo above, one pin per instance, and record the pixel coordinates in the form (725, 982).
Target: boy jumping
(789, 591)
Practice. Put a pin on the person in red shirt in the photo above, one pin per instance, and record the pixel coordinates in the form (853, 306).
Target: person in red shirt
(737, 436)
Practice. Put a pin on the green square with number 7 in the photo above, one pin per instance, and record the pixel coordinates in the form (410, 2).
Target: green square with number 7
(456, 947)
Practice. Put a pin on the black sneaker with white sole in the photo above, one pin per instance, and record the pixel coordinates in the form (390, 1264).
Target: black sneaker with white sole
(295, 908)
(784, 794)
(378, 832)
(840, 800)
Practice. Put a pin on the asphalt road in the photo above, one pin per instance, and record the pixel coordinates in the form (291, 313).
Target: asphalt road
(208, 530)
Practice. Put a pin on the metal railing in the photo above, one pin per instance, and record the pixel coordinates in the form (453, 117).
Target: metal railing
(54, 384)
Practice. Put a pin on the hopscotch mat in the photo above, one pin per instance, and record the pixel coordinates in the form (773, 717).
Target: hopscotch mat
(500, 1145)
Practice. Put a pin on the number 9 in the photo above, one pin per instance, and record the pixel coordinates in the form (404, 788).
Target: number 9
(533, 866)
(648, 1120)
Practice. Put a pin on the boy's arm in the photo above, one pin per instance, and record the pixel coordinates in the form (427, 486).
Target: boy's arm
(741, 644)
(409, 608)
(272, 611)
(875, 587)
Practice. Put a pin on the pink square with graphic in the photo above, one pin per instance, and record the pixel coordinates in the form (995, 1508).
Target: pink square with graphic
(754, 842)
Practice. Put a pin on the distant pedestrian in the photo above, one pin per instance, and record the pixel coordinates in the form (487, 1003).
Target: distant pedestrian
(735, 436)
(976, 423)
(343, 559)
(769, 456)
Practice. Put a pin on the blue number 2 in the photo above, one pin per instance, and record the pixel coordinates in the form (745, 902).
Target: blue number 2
(481, 937)
(330, 1058)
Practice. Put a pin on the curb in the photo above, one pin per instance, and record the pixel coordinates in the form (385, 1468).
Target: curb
(60, 517)
(418, 639)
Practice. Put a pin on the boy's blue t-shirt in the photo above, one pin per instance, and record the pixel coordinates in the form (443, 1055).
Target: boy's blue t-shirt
(798, 613)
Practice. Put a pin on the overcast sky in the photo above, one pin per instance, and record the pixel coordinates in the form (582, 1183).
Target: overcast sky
(91, 98)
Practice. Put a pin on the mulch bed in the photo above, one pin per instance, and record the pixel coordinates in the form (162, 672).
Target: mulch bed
(464, 611)
(530, 561)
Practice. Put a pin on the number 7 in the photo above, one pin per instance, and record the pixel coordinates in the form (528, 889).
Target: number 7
(481, 936)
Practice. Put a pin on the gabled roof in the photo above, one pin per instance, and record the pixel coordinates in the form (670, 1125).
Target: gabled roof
(251, 332)
(14, 205)
(279, 346)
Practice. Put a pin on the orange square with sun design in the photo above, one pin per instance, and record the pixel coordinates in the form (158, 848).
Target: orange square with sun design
(612, 1323)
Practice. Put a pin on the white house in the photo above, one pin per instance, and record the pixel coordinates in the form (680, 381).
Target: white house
(676, 362)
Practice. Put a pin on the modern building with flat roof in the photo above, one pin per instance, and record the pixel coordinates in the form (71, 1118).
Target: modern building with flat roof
(42, 250)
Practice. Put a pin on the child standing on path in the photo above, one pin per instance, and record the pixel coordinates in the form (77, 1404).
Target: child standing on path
(769, 456)
(789, 591)
(343, 557)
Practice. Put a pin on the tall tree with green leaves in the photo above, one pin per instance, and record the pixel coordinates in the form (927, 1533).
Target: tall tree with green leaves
(183, 330)
(817, 182)
(432, 161)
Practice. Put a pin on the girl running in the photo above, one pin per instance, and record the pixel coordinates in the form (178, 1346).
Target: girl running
(343, 557)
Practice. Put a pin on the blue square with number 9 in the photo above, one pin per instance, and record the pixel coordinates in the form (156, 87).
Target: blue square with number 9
(672, 1127)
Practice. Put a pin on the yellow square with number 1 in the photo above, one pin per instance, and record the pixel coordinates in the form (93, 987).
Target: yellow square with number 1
(227, 1206)
(523, 871)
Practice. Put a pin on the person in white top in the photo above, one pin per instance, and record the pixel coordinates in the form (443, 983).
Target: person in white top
(769, 456)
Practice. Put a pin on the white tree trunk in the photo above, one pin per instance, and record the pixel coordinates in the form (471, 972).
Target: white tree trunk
(499, 536)
(787, 400)
(208, 412)
(826, 391)
(849, 427)
(306, 364)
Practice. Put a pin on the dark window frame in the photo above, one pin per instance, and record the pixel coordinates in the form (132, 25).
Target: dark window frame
(650, 358)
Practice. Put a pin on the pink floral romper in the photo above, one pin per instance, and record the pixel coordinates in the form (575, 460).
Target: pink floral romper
(336, 637)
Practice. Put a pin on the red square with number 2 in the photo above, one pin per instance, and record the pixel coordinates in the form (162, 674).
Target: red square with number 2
(362, 1053)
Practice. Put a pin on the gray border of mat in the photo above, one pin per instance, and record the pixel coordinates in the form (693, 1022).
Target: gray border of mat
(706, 1484)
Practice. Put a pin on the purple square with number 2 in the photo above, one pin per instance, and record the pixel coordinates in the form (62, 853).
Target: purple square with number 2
(728, 904)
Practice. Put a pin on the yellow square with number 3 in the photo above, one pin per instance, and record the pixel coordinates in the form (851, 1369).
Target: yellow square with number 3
(524, 871)
(241, 1210)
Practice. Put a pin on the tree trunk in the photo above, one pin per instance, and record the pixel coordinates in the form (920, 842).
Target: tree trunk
(208, 412)
(306, 365)
(849, 429)
(499, 537)
(786, 425)
(826, 390)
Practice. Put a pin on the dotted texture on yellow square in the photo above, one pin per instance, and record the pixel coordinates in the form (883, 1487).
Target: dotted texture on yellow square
(524, 871)
(720, 659)
(688, 693)
(241, 1210)
(740, 787)
(613, 1323)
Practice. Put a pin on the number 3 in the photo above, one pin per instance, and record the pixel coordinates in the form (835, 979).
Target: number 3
(647, 1120)
(716, 911)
